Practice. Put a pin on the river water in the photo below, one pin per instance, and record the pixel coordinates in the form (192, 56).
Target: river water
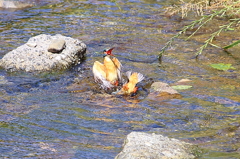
(63, 115)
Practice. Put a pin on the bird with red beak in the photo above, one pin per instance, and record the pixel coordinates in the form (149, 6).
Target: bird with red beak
(108, 73)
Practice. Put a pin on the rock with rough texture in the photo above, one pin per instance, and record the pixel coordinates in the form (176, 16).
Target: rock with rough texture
(34, 55)
(163, 87)
(139, 145)
(162, 91)
(57, 45)
(14, 4)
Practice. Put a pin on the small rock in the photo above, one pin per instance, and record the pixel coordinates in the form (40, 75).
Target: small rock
(162, 91)
(183, 81)
(163, 87)
(31, 44)
(145, 146)
(57, 45)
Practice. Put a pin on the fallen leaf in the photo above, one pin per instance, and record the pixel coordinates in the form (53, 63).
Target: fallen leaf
(181, 87)
(222, 66)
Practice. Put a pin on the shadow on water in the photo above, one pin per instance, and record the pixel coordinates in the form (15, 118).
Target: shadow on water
(65, 115)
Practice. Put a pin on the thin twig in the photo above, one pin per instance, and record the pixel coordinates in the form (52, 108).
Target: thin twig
(201, 22)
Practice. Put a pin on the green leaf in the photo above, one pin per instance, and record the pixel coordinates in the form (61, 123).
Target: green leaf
(230, 29)
(182, 87)
(232, 44)
(222, 66)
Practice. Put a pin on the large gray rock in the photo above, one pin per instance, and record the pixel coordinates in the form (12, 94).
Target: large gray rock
(35, 55)
(139, 145)
(13, 4)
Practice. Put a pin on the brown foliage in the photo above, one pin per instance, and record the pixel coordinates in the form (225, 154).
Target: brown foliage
(202, 6)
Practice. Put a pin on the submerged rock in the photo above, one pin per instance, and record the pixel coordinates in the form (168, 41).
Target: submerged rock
(4, 81)
(162, 91)
(146, 146)
(163, 87)
(34, 55)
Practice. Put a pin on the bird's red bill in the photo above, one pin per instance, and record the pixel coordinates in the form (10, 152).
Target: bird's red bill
(109, 52)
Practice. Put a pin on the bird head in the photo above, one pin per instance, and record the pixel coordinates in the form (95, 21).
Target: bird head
(108, 52)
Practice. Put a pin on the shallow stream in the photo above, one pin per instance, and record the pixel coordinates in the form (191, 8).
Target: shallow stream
(41, 118)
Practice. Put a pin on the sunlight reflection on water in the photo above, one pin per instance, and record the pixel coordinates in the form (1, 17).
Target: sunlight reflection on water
(40, 118)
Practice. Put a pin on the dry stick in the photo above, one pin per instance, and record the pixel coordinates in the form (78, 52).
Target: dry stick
(178, 34)
(194, 23)
(212, 37)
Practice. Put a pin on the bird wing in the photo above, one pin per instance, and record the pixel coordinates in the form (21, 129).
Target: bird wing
(128, 73)
(117, 63)
(106, 84)
(119, 67)
(99, 72)
(111, 70)
(140, 77)
(134, 77)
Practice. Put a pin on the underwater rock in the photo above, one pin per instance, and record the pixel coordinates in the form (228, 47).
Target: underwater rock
(183, 81)
(4, 81)
(14, 4)
(163, 87)
(144, 145)
(162, 91)
(34, 55)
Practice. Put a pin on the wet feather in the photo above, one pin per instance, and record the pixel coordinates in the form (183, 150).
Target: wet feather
(133, 78)
(108, 73)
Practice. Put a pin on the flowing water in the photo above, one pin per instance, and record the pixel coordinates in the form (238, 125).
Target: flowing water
(41, 118)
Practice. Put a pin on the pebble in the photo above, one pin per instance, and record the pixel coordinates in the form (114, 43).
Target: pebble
(31, 44)
(57, 45)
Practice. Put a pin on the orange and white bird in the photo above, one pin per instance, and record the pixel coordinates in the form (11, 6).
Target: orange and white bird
(133, 79)
(108, 73)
